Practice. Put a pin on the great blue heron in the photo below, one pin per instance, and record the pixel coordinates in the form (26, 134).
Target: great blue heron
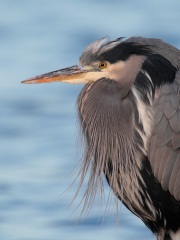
(129, 112)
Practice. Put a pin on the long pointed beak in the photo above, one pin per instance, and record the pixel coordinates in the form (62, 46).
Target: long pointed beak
(72, 74)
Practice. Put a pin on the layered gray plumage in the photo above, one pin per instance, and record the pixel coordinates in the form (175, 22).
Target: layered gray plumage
(164, 150)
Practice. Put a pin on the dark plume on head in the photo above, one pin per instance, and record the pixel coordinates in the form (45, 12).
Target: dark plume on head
(112, 51)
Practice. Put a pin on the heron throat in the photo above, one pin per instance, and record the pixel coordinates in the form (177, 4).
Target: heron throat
(107, 123)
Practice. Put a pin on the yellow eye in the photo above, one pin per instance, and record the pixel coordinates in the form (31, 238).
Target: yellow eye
(102, 65)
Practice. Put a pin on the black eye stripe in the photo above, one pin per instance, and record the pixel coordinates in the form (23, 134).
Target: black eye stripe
(123, 51)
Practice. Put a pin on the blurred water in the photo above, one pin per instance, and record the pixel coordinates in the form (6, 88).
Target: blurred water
(37, 123)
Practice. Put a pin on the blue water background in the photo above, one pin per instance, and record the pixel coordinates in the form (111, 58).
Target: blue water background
(38, 123)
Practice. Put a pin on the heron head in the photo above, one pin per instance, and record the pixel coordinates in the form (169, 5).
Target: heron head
(116, 60)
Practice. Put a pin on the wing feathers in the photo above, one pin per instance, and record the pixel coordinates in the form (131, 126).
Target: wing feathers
(170, 105)
(164, 147)
(164, 153)
(168, 167)
(176, 191)
(165, 134)
(176, 141)
(175, 121)
(174, 175)
(175, 101)
(158, 125)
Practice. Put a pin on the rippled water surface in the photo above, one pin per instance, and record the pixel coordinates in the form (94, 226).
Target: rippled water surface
(38, 123)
